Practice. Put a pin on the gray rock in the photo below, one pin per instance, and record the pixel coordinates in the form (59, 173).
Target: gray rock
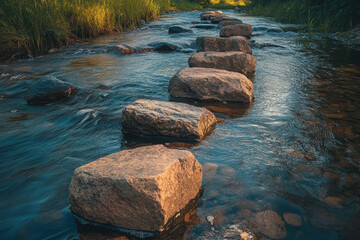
(232, 61)
(125, 49)
(236, 30)
(203, 26)
(211, 85)
(164, 47)
(178, 29)
(155, 118)
(49, 90)
(216, 44)
(140, 189)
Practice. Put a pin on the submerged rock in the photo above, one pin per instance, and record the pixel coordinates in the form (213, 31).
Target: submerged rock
(49, 90)
(140, 189)
(232, 61)
(125, 49)
(270, 224)
(229, 22)
(155, 118)
(179, 29)
(203, 26)
(276, 30)
(243, 29)
(232, 232)
(292, 219)
(211, 85)
(164, 47)
(216, 44)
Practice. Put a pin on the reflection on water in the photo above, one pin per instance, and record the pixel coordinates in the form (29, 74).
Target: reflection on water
(295, 150)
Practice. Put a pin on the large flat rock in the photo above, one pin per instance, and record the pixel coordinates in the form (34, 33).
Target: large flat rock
(223, 44)
(211, 85)
(171, 119)
(141, 188)
(232, 61)
(243, 29)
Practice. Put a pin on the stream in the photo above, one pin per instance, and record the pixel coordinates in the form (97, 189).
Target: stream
(295, 149)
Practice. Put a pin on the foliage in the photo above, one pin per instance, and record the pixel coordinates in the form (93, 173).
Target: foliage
(35, 26)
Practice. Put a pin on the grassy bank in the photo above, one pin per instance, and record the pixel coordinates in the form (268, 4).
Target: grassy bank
(31, 27)
(320, 15)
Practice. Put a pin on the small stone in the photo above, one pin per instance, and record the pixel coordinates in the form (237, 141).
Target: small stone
(292, 219)
(164, 47)
(140, 189)
(178, 29)
(333, 201)
(210, 219)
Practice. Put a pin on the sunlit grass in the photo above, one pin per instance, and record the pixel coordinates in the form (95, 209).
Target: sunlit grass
(34, 26)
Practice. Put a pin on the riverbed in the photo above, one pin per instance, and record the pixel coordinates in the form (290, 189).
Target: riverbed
(295, 149)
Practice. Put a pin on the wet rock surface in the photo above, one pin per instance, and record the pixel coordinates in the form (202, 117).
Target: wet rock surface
(125, 49)
(270, 224)
(211, 14)
(292, 219)
(49, 90)
(164, 47)
(232, 61)
(204, 26)
(171, 119)
(141, 188)
(231, 232)
(211, 85)
(179, 29)
(229, 22)
(218, 44)
(243, 29)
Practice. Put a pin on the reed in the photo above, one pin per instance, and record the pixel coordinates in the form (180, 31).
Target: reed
(31, 27)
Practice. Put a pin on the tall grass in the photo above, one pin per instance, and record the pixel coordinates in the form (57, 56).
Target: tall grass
(34, 26)
(320, 15)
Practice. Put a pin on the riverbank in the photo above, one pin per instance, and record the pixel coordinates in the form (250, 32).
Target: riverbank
(32, 27)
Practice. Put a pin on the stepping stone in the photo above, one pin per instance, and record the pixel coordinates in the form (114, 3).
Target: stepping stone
(125, 49)
(236, 30)
(164, 47)
(211, 85)
(49, 90)
(216, 44)
(229, 22)
(232, 61)
(171, 119)
(178, 29)
(209, 14)
(140, 189)
(217, 19)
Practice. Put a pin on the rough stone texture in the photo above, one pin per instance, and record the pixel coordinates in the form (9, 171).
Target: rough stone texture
(292, 219)
(211, 85)
(125, 49)
(270, 224)
(203, 26)
(170, 119)
(217, 19)
(139, 189)
(243, 29)
(232, 232)
(216, 44)
(232, 61)
(49, 90)
(228, 22)
(178, 29)
(209, 14)
(164, 47)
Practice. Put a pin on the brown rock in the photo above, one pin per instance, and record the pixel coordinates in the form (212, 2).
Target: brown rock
(210, 170)
(155, 118)
(292, 219)
(124, 49)
(228, 22)
(270, 224)
(217, 19)
(209, 14)
(232, 61)
(141, 188)
(211, 85)
(205, 44)
(243, 29)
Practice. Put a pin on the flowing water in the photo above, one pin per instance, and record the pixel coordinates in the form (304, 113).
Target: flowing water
(296, 149)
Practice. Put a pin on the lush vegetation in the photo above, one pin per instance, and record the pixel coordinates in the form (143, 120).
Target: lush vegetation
(34, 26)
(320, 15)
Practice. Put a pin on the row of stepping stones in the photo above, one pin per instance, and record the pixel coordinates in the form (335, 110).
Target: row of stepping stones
(145, 188)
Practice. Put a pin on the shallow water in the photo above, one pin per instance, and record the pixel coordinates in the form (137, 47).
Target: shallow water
(295, 149)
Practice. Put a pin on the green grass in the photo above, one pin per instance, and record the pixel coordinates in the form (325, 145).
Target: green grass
(185, 5)
(31, 27)
(322, 16)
